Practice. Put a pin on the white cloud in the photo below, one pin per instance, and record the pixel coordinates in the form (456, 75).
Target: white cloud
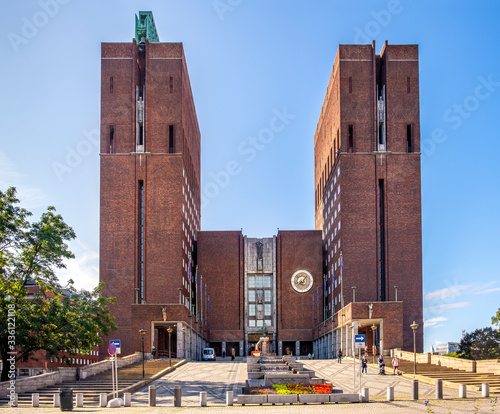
(83, 269)
(29, 196)
(448, 293)
(445, 307)
(482, 292)
(434, 321)
(455, 291)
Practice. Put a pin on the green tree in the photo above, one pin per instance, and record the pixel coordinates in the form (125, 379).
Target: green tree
(481, 344)
(54, 319)
(495, 320)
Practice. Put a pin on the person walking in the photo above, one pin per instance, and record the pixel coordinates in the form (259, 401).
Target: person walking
(395, 365)
(339, 356)
(381, 365)
(364, 365)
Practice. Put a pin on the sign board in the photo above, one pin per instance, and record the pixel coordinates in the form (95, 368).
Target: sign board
(112, 349)
(117, 343)
(359, 341)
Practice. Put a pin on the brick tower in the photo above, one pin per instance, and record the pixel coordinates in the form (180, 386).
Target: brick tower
(150, 191)
(368, 201)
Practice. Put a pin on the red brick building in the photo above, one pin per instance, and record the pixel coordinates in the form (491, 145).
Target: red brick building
(189, 288)
(368, 202)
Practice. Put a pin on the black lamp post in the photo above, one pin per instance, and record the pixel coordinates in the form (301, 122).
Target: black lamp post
(142, 332)
(374, 347)
(169, 330)
(414, 327)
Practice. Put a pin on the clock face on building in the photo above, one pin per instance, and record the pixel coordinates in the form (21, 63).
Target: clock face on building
(302, 281)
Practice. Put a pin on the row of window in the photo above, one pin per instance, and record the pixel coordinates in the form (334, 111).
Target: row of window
(259, 322)
(259, 281)
(112, 140)
(253, 308)
(260, 296)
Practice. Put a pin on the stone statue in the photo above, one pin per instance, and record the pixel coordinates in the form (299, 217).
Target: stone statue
(370, 310)
(164, 312)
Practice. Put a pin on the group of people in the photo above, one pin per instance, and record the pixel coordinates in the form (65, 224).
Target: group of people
(381, 363)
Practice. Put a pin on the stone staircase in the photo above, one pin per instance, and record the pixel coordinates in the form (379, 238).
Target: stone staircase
(93, 386)
(451, 377)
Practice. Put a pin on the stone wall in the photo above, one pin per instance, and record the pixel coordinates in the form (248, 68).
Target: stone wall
(39, 381)
(66, 374)
(450, 362)
(491, 366)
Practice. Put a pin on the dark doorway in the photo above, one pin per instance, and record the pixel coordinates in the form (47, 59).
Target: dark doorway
(163, 350)
(306, 347)
(217, 346)
(289, 348)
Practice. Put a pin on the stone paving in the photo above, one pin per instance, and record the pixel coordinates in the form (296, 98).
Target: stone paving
(341, 375)
(218, 377)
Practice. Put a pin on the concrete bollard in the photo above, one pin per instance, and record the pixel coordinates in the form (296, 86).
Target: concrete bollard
(152, 396)
(439, 389)
(35, 399)
(203, 399)
(229, 398)
(127, 399)
(79, 399)
(414, 390)
(103, 399)
(365, 394)
(462, 391)
(390, 393)
(57, 400)
(177, 396)
(485, 390)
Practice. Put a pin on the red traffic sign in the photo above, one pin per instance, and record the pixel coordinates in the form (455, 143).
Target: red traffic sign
(112, 349)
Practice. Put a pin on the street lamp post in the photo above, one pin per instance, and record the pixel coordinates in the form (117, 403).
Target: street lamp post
(169, 330)
(374, 347)
(414, 327)
(143, 333)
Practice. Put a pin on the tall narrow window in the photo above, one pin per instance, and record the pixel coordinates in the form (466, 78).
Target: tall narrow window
(350, 138)
(381, 133)
(381, 225)
(408, 89)
(350, 84)
(171, 84)
(171, 139)
(409, 147)
(140, 298)
(111, 139)
(141, 134)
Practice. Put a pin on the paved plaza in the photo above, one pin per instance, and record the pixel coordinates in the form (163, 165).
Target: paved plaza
(218, 377)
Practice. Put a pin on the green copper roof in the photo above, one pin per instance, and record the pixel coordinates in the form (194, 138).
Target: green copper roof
(145, 27)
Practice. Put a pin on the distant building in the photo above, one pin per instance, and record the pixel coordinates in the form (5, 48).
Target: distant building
(446, 348)
(39, 363)
(189, 288)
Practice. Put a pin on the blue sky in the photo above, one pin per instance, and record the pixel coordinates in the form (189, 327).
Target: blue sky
(247, 60)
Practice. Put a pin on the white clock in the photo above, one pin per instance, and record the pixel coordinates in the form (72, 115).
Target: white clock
(302, 281)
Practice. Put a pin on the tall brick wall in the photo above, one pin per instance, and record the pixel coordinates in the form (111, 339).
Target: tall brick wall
(349, 206)
(298, 250)
(170, 177)
(220, 262)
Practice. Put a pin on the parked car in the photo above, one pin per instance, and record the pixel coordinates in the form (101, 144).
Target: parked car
(208, 354)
